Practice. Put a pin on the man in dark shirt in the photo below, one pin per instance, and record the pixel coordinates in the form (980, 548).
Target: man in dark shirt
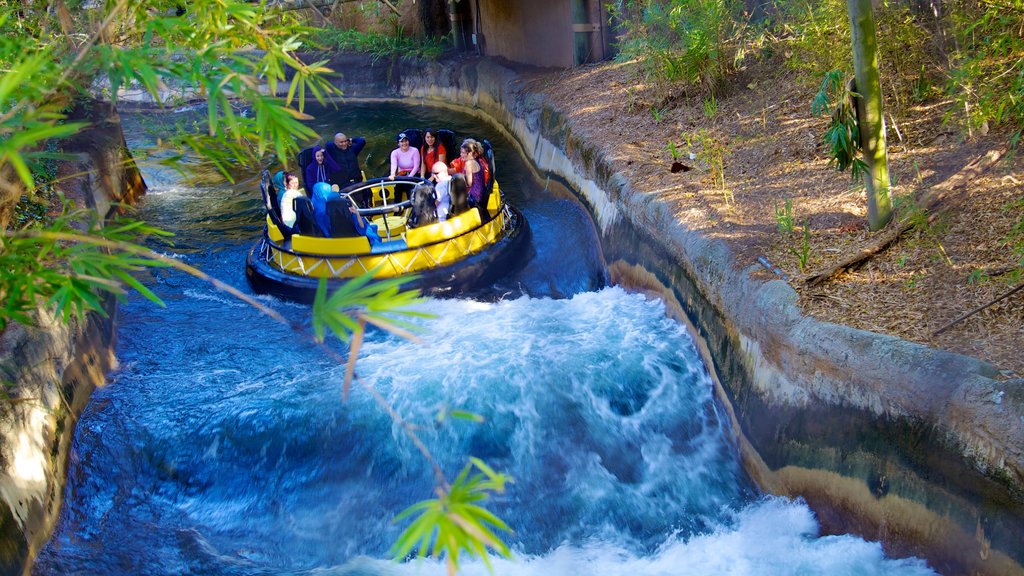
(345, 153)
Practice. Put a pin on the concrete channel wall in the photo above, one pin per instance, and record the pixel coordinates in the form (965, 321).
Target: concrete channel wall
(916, 447)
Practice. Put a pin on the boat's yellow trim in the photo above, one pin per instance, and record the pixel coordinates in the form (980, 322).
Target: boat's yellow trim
(438, 231)
(273, 232)
(494, 202)
(413, 259)
(330, 246)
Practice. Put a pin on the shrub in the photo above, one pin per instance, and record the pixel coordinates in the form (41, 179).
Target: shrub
(987, 79)
(694, 41)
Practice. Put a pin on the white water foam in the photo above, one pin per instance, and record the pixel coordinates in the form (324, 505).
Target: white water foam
(771, 537)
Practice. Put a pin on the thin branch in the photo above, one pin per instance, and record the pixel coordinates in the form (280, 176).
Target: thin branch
(978, 309)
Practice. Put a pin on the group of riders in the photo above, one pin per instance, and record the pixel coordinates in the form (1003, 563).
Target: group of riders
(326, 200)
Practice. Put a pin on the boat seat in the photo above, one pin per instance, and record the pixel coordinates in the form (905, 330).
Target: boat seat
(439, 231)
(340, 219)
(447, 137)
(382, 192)
(330, 246)
(303, 159)
(274, 231)
(305, 220)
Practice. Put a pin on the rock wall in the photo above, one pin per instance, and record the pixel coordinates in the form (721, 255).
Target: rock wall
(50, 370)
(916, 447)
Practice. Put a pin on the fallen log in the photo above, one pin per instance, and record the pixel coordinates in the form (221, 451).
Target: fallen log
(930, 199)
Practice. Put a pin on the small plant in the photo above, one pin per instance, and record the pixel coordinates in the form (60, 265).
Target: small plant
(673, 150)
(784, 217)
(1015, 240)
(712, 152)
(803, 254)
(676, 153)
(630, 99)
(978, 276)
(710, 107)
(657, 113)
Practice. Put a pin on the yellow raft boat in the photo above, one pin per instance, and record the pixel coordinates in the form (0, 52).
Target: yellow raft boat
(465, 252)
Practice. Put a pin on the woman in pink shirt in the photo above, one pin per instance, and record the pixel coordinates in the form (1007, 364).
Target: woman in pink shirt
(405, 160)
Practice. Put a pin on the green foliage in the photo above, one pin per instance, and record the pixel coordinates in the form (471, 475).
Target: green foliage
(817, 38)
(658, 114)
(378, 45)
(694, 41)
(37, 264)
(712, 153)
(673, 150)
(1015, 241)
(987, 80)
(814, 32)
(224, 51)
(803, 252)
(978, 276)
(380, 302)
(453, 523)
(842, 137)
(710, 107)
(784, 217)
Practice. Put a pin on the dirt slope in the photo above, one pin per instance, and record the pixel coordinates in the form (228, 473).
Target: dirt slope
(767, 144)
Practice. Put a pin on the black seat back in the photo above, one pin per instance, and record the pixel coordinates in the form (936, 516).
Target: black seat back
(458, 189)
(447, 137)
(341, 225)
(304, 158)
(424, 206)
(485, 196)
(305, 221)
(489, 156)
(415, 136)
(270, 201)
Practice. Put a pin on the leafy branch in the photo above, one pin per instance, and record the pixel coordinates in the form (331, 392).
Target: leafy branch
(453, 522)
(842, 137)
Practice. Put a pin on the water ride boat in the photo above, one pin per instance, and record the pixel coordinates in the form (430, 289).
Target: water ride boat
(465, 252)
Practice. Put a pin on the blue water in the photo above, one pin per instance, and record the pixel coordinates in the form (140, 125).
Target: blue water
(221, 446)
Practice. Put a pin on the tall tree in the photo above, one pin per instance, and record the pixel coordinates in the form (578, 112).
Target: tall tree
(869, 112)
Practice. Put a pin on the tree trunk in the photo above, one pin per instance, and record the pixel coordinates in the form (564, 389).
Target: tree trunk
(869, 112)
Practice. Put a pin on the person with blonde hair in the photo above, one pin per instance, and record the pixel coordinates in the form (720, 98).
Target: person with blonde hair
(472, 171)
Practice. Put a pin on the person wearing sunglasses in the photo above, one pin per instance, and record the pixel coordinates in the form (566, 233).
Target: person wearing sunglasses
(439, 174)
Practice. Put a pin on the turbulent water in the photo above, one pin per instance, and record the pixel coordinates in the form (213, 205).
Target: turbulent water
(221, 445)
